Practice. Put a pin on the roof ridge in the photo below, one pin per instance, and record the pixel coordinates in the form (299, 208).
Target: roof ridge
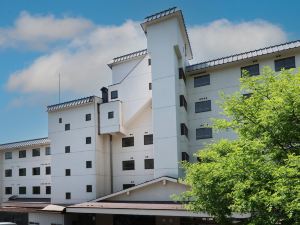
(131, 53)
(247, 52)
(74, 100)
(16, 142)
(163, 11)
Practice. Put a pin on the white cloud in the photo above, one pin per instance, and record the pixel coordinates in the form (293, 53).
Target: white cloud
(37, 31)
(82, 60)
(222, 37)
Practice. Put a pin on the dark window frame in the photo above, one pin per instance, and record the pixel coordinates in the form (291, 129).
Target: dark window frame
(8, 190)
(110, 115)
(48, 170)
(36, 190)
(203, 106)
(88, 164)
(127, 142)
(68, 195)
(88, 117)
(89, 188)
(114, 94)
(36, 152)
(128, 165)
(67, 126)
(285, 63)
(67, 172)
(253, 70)
(8, 155)
(67, 149)
(36, 171)
(148, 139)
(48, 150)
(22, 172)
(185, 156)
(184, 130)
(206, 136)
(148, 164)
(88, 140)
(182, 74)
(8, 173)
(48, 190)
(22, 154)
(202, 80)
(182, 102)
(22, 190)
(126, 186)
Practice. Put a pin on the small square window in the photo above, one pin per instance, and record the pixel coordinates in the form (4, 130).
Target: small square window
(36, 152)
(68, 195)
(36, 190)
(114, 94)
(48, 170)
(22, 154)
(148, 139)
(89, 188)
(110, 115)
(185, 156)
(88, 117)
(67, 149)
(48, 190)
(60, 120)
(127, 141)
(88, 140)
(149, 164)
(128, 165)
(88, 164)
(8, 173)
(47, 151)
(8, 155)
(150, 86)
(36, 171)
(126, 186)
(67, 126)
(68, 172)
(8, 190)
(184, 130)
(22, 190)
(22, 172)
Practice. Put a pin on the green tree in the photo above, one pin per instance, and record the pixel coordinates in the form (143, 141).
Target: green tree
(258, 173)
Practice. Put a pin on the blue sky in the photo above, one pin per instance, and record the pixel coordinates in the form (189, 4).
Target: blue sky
(39, 39)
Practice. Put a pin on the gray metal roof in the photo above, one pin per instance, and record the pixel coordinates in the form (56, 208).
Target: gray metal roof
(244, 55)
(127, 57)
(166, 13)
(26, 143)
(72, 103)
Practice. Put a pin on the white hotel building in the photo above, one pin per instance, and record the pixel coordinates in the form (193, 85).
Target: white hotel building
(115, 159)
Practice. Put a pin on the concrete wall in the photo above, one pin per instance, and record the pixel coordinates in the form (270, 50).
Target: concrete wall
(46, 218)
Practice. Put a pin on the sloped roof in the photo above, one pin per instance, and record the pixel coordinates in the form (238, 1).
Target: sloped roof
(127, 57)
(174, 11)
(26, 143)
(244, 55)
(72, 103)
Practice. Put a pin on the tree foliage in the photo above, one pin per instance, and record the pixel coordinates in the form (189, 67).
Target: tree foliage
(257, 173)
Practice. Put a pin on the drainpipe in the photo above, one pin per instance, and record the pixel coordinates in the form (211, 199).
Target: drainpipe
(111, 164)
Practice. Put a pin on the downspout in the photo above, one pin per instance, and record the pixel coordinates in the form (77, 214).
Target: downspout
(111, 164)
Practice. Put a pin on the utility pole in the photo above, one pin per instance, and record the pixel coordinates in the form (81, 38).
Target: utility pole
(59, 88)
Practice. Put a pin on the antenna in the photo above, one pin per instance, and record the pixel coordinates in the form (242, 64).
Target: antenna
(59, 88)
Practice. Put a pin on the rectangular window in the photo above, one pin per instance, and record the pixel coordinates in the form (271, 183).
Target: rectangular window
(202, 81)
(36, 152)
(36, 171)
(68, 172)
(88, 117)
(67, 149)
(203, 133)
(185, 156)
(8, 173)
(67, 126)
(48, 170)
(48, 190)
(128, 165)
(22, 172)
(251, 70)
(110, 115)
(68, 195)
(149, 164)
(148, 139)
(203, 106)
(248, 95)
(47, 151)
(22, 190)
(88, 140)
(88, 164)
(36, 190)
(149, 62)
(126, 186)
(60, 120)
(184, 130)
(286, 63)
(150, 86)
(182, 102)
(182, 75)
(114, 94)
(8, 190)
(89, 188)
(8, 155)
(127, 141)
(22, 154)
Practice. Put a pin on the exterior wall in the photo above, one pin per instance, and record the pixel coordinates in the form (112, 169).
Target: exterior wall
(46, 218)
(80, 152)
(16, 181)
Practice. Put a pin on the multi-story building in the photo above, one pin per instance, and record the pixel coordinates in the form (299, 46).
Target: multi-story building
(116, 159)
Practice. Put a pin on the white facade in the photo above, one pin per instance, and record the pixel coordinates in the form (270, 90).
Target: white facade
(144, 125)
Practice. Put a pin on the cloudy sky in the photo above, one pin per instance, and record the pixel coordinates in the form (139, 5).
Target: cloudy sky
(41, 39)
